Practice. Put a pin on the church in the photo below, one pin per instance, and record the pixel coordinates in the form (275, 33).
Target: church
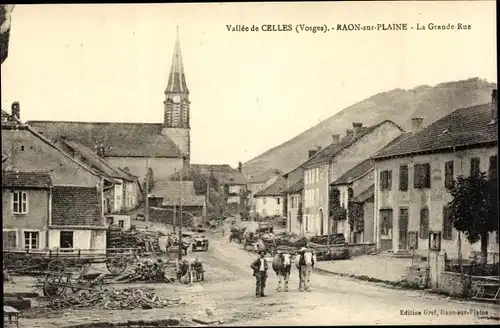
(160, 148)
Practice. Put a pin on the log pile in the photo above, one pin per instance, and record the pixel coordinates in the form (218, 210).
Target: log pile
(126, 299)
(335, 240)
(291, 241)
(149, 271)
(145, 241)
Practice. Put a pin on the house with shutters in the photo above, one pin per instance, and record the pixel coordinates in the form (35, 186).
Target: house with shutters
(293, 196)
(335, 160)
(26, 209)
(75, 203)
(413, 178)
(270, 202)
(260, 182)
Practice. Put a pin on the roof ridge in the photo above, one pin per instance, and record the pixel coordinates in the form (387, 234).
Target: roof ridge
(91, 122)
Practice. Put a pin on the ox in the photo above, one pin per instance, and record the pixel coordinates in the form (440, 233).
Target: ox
(304, 261)
(281, 265)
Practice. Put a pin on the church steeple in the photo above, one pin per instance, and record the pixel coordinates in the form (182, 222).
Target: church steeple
(177, 77)
(176, 124)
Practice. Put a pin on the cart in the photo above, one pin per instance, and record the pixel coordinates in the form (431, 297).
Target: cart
(58, 260)
(58, 284)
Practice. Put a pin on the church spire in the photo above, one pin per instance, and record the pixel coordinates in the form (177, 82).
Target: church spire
(177, 78)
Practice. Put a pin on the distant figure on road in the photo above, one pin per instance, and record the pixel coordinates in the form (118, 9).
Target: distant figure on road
(259, 267)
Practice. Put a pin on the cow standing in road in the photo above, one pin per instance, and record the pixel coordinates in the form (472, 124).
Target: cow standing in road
(305, 261)
(282, 265)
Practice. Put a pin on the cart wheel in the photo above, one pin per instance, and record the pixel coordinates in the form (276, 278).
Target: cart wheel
(56, 266)
(9, 260)
(54, 286)
(35, 265)
(116, 265)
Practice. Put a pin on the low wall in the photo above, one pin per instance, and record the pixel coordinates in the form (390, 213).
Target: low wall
(451, 283)
(361, 249)
(417, 275)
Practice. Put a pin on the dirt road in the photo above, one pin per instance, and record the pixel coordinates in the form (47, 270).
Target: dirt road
(229, 289)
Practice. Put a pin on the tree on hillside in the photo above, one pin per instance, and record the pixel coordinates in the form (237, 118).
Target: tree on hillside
(474, 208)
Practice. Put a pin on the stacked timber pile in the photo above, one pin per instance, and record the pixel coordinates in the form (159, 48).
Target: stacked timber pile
(335, 240)
(149, 271)
(291, 240)
(166, 216)
(146, 241)
(126, 299)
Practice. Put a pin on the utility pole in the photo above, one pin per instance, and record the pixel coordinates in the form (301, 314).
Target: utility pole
(180, 221)
(146, 191)
(207, 198)
(175, 209)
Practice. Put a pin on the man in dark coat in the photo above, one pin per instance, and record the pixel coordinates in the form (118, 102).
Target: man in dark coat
(259, 267)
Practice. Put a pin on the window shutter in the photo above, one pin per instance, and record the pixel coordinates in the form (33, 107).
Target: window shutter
(389, 180)
(403, 177)
(427, 168)
(474, 165)
(448, 175)
(424, 223)
(493, 167)
(382, 174)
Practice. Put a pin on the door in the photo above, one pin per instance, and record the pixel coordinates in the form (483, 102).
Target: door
(321, 227)
(403, 229)
(385, 229)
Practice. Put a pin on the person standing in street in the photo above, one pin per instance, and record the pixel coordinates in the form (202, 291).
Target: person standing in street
(259, 267)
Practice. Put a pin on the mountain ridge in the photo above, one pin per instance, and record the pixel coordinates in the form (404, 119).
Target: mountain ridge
(398, 105)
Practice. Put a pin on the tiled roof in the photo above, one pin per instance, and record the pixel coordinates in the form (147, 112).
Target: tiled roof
(170, 191)
(26, 179)
(224, 173)
(333, 149)
(365, 195)
(118, 139)
(276, 189)
(355, 173)
(263, 177)
(8, 119)
(95, 161)
(463, 127)
(76, 206)
(295, 188)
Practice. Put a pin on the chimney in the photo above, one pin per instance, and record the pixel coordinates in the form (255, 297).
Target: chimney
(240, 167)
(312, 153)
(494, 106)
(319, 148)
(416, 124)
(335, 138)
(16, 110)
(356, 126)
(349, 132)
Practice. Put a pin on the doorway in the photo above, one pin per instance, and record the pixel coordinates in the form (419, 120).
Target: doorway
(403, 229)
(321, 227)
(385, 229)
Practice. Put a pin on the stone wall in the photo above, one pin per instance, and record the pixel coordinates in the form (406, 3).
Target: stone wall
(417, 275)
(360, 249)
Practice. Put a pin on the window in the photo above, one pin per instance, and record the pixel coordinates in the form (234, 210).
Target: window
(31, 239)
(422, 176)
(385, 180)
(109, 220)
(493, 167)
(277, 200)
(317, 175)
(403, 178)
(307, 224)
(20, 202)
(474, 165)
(424, 223)
(313, 175)
(264, 200)
(448, 174)
(316, 196)
(447, 225)
(9, 239)
(121, 223)
(66, 239)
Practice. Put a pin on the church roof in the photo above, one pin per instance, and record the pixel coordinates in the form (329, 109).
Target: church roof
(118, 139)
(177, 77)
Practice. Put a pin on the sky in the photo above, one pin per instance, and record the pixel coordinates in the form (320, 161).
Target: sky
(249, 91)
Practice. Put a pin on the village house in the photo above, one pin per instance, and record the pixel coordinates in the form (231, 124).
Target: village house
(413, 178)
(161, 147)
(270, 201)
(293, 195)
(260, 182)
(332, 162)
(353, 194)
(231, 183)
(125, 192)
(76, 215)
(26, 209)
(167, 195)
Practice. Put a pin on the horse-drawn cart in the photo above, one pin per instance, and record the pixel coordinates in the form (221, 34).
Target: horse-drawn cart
(58, 260)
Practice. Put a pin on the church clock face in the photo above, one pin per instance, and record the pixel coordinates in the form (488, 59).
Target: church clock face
(176, 99)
